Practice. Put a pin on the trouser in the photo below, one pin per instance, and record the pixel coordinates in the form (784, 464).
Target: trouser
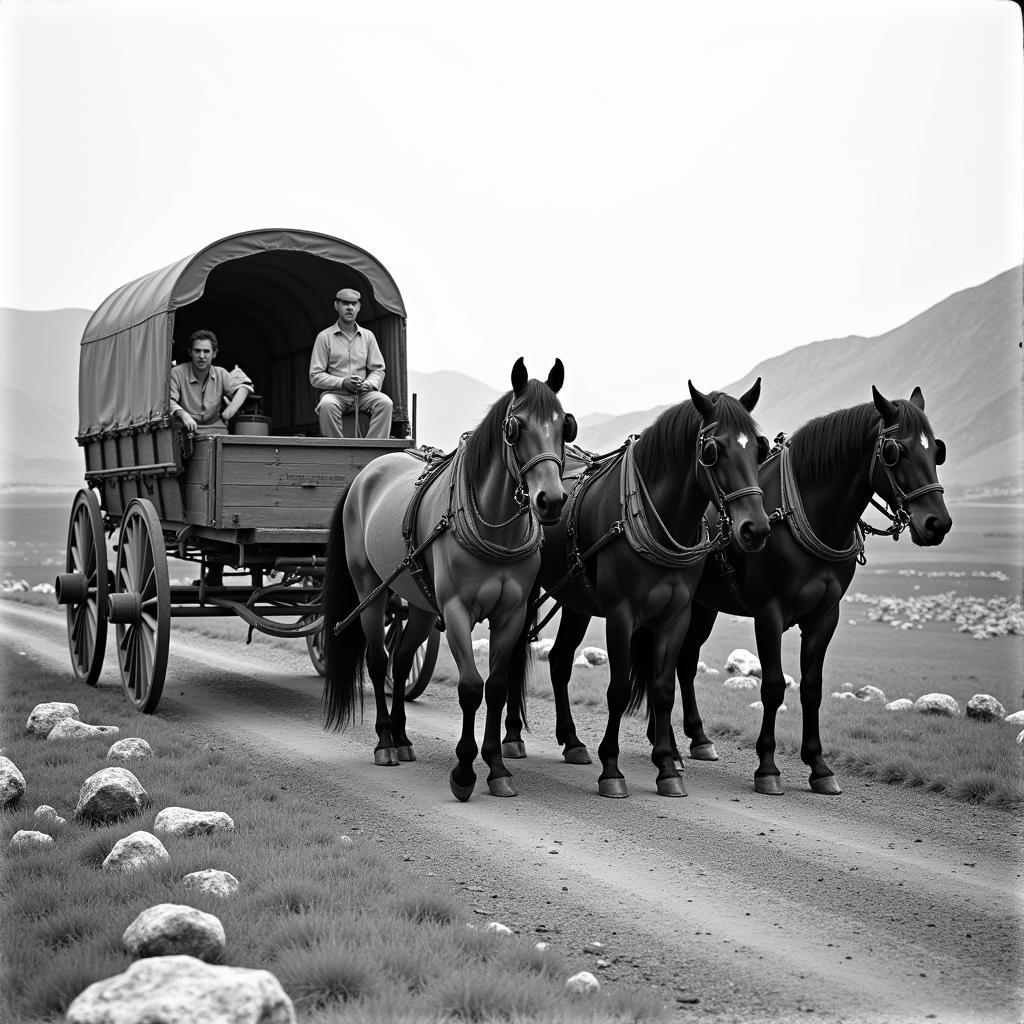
(334, 404)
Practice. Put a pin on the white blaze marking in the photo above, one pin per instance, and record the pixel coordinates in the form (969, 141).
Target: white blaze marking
(743, 440)
(924, 441)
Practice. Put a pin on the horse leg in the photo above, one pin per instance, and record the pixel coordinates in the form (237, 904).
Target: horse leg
(471, 694)
(572, 628)
(503, 640)
(768, 632)
(417, 629)
(618, 632)
(660, 696)
(702, 621)
(372, 619)
(815, 637)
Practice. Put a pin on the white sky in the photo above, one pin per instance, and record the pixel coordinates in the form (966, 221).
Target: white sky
(652, 191)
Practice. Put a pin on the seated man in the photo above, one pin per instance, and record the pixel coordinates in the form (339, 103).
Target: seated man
(347, 363)
(199, 390)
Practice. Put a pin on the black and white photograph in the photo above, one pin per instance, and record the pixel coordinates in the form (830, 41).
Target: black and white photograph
(512, 514)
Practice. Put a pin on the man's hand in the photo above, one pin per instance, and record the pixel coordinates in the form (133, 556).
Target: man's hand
(188, 422)
(353, 384)
(365, 387)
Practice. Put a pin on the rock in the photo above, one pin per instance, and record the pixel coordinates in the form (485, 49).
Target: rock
(44, 812)
(937, 704)
(183, 990)
(581, 662)
(742, 663)
(131, 748)
(212, 882)
(583, 982)
(844, 695)
(701, 667)
(542, 648)
(170, 929)
(595, 655)
(44, 717)
(72, 729)
(594, 947)
(134, 852)
(110, 794)
(25, 838)
(1020, 737)
(481, 646)
(741, 683)
(540, 946)
(790, 681)
(12, 782)
(498, 928)
(1017, 718)
(985, 708)
(903, 704)
(182, 821)
(870, 693)
(346, 841)
(758, 705)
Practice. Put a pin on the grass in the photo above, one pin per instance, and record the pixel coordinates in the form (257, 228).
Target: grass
(349, 935)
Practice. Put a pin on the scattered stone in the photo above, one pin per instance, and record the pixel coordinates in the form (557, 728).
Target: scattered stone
(742, 663)
(110, 794)
(701, 667)
(902, 704)
(135, 852)
(25, 838)
(44, 812)
(790, 681)
(542, 648)
(581, 662)
(212, 882)
(870, 693)
(183, 990)
(595, 655)
(937, 704)
(741, 683)
(72, 729)
(583, 982)
(346, 840)
(131, 748)
(594, 947)
(44, 717)
(12, 782)
(759, 706)
(183, 821)
(170, 929)
(481, 646)
(541, 946)
(985, 708)
(1017, 718)
(498, 928)
(712, 673)
(844, 695)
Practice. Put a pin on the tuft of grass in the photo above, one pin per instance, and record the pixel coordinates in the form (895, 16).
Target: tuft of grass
(329, 973)
(434, 907)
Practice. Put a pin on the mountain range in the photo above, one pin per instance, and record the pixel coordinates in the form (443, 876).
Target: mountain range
(964, 353)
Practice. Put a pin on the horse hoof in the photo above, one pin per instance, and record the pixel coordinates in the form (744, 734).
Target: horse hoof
(501, 787)
(672, 785)
(462, 793)
(406, 753)
(614, 788)
(768, 785)
(385, 757)
(826, 785)
(513, 749)
(576, 755)
(704, 752)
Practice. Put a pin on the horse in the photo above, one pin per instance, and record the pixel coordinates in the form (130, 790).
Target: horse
(468, 529)
(820, 483)
(697, 451)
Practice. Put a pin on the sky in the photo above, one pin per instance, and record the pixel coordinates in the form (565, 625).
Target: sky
(654, 192)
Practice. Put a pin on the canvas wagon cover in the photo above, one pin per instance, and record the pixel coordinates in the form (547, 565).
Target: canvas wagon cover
(124, 369)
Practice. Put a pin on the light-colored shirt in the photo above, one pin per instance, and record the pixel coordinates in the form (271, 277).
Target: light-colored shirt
(336, 357)
(202, 400)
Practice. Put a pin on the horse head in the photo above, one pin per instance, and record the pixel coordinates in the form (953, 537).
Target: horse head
(535, 431)
(903, 467)
(727, 460)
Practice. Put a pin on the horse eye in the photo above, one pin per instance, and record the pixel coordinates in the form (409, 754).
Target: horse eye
(940, 452)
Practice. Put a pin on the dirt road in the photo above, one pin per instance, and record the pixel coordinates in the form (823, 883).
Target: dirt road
(879, 905)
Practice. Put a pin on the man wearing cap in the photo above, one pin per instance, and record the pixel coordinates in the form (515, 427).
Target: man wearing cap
(347, 363)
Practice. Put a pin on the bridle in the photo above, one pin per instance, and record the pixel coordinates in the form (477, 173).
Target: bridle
(707, 458)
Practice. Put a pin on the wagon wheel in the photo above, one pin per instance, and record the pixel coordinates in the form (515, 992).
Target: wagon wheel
(423, 660)
(141, 605)
(83, 588)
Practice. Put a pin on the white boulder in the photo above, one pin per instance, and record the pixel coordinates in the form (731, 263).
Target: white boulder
(171, 929)
(12, 782)
(44, 812)
(742, 663)
(481, 646)
(43, 717)
(759, 706)
(844, 695)
(72, 729)
(870, 693)
(1017, 718)
(937, 704)
(595, 655)
(790, 681)
(109, 794)
(212, 882)
(25, 838)
(135, 852)
(183, 821)
(985, 708)
(741, 683)
(183, 990)
(902, 704)
(497, 928)
(131, 748)
(581, 662)
(542, 647)
(583, 982)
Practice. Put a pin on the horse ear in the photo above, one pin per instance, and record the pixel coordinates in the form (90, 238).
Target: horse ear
(519, 376)
(917, 399)
(701, 402)
(749, 400)
(884, 406)
(556, 378)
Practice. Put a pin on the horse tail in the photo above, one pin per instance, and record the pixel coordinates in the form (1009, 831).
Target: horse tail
(346, 652)
(641, 668)
(522, 657)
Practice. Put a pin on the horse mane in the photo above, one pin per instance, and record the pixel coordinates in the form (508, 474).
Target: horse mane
(843, 437)
(675, 430)
(485, 443)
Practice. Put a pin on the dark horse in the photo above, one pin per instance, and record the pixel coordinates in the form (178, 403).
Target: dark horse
(469, 532)
(821, 483)
(642, 512)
